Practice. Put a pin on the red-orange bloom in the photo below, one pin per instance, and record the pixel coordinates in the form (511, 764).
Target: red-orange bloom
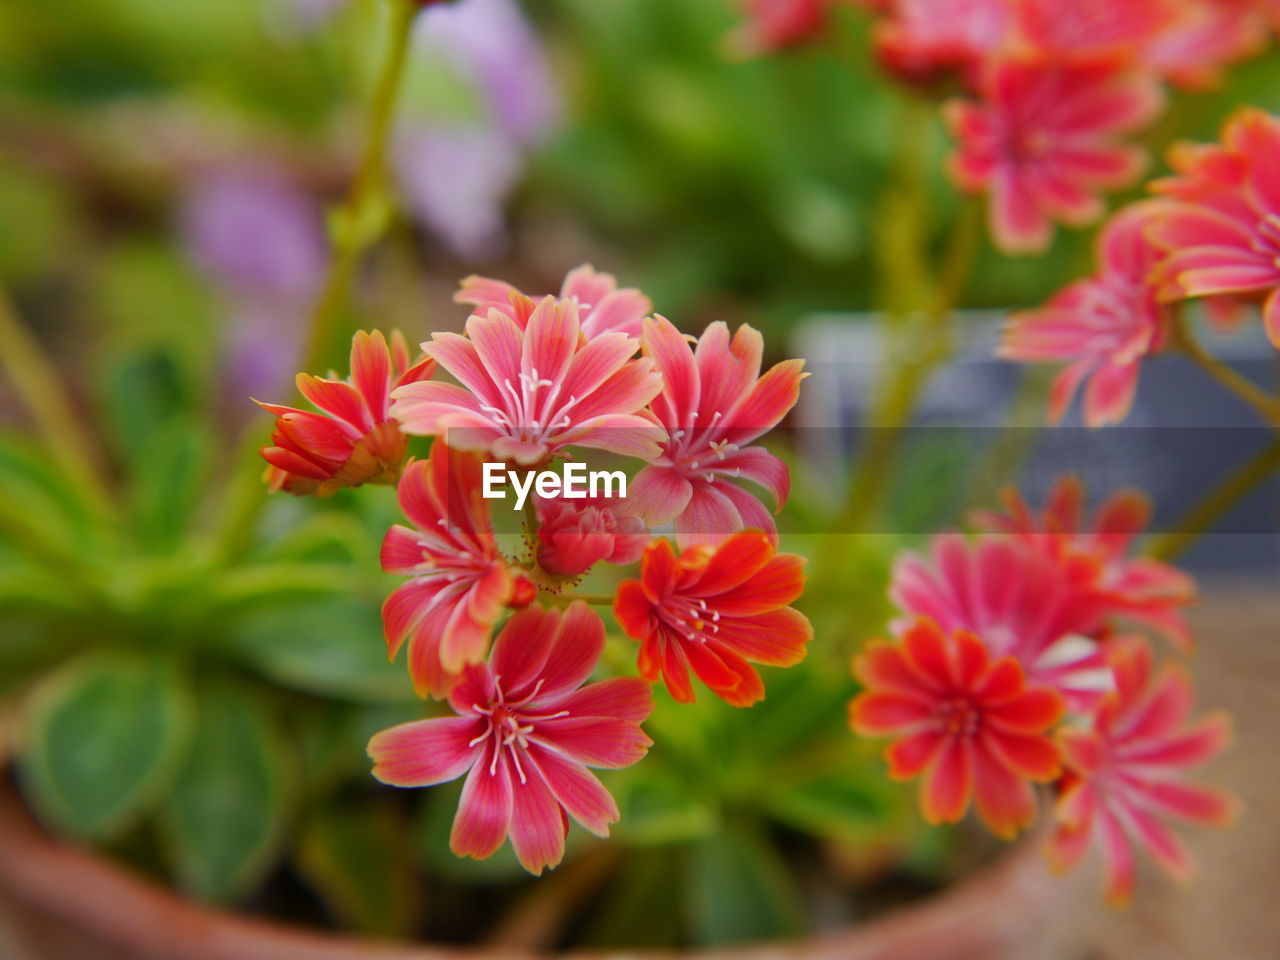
(716, 610)
(353, 441)
(963, 719)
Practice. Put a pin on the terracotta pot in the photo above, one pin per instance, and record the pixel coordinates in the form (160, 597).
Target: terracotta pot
(58, 902)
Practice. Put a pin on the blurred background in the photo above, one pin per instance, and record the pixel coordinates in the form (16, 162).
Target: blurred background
(165, 172)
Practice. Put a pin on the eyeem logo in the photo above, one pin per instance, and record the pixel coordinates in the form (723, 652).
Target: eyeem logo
(577, 483)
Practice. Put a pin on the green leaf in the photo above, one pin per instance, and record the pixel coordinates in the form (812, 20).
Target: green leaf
(167, 471)
(852, 806)
(641, 908)
(103, 739)
(355, 857)
(328, 647)
(657, 808)
(224, 818)
(739, 890)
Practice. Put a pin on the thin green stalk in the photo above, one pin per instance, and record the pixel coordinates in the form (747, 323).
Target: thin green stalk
(1267, 405)
(38, 384)
(362, 219)
(1213, 507)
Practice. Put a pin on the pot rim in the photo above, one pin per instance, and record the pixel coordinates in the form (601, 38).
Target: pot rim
(80, 889)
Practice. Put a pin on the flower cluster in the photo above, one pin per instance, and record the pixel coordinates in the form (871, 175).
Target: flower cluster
(1051, 87)
(1017, 662)
(1210, 233)
(533, 381)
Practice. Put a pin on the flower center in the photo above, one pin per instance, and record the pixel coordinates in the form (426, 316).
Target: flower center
(692, 619)
(958, 717)
(509, 726)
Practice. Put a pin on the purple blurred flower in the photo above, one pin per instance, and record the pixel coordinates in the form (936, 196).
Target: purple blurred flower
(259, 239)
(456, 176)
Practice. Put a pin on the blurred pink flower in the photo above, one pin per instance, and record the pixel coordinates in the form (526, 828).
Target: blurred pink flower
(602, 306)
(1039, 609)
(924, 39)
(525, 733)
(1206, 37)
(1126, 771)
(526, 394)
(354, 440)
(461, 583)
(1043, 144)
(777, 24)
(964, 718)
(1092, 29)
(1138, 588)
(573, 535)
(713, 403)
(1223, 237)
(1101, 327)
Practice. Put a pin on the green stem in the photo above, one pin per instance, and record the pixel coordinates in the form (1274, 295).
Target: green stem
(1212, 508)
(362, 219)
(1268, 406)
(38, 384)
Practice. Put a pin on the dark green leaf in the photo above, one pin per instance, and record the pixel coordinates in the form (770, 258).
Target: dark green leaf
(103, 739)
(224, 818)
(738, 890)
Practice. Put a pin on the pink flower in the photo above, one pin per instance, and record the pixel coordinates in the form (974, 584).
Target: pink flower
(1225, 237)
(1038, 609)
(1093, 29)
(461, 583)
(573, 535)
(525, 732)
(1043, 143)
(716, 610)
(713, 403)
(963, 718)
(1126, 771)
(927, 38)
(777, 24)
(528, 392)
(1102, 327)
(354, 441)
(602, 306)
(1137, 588)
(1207, 36)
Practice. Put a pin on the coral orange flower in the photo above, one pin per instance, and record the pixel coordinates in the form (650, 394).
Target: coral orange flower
(528, 392)
(354, 441)
(1043, 144)
(603, 307)
(716, 610)
(461, 583)
(714, 403)
(1224, 238)
(1138, 588)
(1039, 609)
(963, 719)
(1126, 773)
(1102, 327)
(525, 733)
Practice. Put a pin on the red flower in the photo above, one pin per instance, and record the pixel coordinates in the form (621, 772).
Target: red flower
(1039, 609)
(714, 403)
(461, 583)
(525, 732)
(1223, 238)
(573, 535)
(717, 610)
(1147, 591)
(963, 719)
(356, 442)
(778, 24)
(1043, 143)
(927, 38)
(1126, 771)
(1104, 326)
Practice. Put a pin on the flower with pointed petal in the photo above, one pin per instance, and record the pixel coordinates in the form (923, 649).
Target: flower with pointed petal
(602, 306)
(1147, 591)
(713, 404)
(1103, 326)
(716, 610)
(962, 718)
(528, 392)
(525, 733)
(926, 39)
(1018, 601)
(354, 441)
(1224, 237)
(1043, 143)
(460, 582)
(1125, 773)
(1091, 30)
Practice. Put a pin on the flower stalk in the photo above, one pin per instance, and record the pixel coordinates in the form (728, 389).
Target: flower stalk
(1268, 406)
